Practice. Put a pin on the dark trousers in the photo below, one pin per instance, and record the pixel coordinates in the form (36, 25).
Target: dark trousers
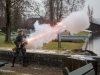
(17, 53)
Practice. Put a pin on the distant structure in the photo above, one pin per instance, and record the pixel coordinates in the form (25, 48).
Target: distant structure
(92, 7)
(94, 27)
(31, 21)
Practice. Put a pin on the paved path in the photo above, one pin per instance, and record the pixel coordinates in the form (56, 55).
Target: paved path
(32, 70)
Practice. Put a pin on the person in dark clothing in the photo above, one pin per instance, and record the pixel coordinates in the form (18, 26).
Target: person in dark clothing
(20, 43)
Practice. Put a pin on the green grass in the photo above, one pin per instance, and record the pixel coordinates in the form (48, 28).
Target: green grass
(1, 33)
(5, 45)
(80, 33)
(12, 73)
(49, 46)
(67, 45)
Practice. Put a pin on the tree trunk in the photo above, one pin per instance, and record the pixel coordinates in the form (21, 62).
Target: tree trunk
(8, 23)
(51, 13)
(60, 14)
(57, 10)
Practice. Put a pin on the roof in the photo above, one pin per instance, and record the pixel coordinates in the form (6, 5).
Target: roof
(94, 27)
(29, 23)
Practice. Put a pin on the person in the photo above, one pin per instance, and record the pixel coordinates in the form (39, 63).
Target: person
(20, 43)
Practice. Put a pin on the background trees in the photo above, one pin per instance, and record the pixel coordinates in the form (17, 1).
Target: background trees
(15, 13)
(10, 12)
(56, 9)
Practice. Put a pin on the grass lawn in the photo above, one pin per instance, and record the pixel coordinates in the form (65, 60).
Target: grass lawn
(5, 45)
(64, 45)
(81, 33)
(49, 46)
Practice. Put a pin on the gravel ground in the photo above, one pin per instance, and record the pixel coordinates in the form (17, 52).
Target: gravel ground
(32, 69)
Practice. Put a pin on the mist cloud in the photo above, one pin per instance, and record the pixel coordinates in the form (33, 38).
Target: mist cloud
(74, 23)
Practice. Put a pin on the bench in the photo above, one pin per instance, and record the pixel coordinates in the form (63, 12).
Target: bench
(3, 64)
(84, 70)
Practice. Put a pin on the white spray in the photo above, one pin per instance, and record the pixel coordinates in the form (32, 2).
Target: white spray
(74, 23)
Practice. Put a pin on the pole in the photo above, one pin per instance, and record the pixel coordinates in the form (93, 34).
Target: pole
(59, 41)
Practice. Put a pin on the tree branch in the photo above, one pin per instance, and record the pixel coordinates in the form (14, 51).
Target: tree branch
(3, 4)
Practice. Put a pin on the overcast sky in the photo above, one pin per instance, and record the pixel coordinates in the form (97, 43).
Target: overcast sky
(96, 9)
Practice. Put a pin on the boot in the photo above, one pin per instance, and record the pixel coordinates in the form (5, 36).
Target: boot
(13, 63)
(25, 63)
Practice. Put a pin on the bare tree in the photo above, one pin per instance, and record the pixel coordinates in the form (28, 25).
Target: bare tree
(2, 14)
(16, 20)
(55, 9)
(90, 13)
(8, 21)
(16, 11)
(74, 5)
(9, 6)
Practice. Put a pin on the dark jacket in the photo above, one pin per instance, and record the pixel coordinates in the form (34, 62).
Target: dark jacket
(18, 41)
